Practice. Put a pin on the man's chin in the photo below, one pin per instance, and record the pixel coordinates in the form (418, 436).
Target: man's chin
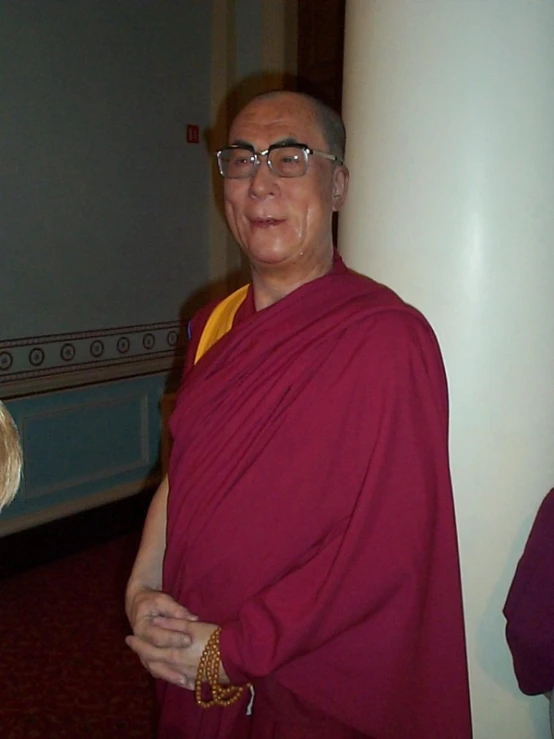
(274, 256)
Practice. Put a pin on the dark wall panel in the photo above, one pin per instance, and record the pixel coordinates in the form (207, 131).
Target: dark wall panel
(104, 206)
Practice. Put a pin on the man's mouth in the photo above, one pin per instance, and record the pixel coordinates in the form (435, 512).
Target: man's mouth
(265, 222)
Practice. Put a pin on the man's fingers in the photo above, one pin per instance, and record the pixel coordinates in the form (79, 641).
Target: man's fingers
(145, 650)
(162, 672)
(165, 638)
(162, 632)
(153, 603)
(168, 607)
(173, 624)
(162, 663)
(172, 656)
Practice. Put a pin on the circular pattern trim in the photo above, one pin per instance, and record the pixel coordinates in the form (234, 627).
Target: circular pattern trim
(123, 345)
(36, 356)
(148, 341)
(97, 348)
(6, 361)
(67, 352)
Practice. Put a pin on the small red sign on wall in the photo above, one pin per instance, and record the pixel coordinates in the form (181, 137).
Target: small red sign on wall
(193, 134)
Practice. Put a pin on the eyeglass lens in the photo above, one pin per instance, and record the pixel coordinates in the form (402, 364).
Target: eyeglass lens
(284, 161)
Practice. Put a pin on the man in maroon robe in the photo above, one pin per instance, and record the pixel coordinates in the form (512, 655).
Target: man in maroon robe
(529, 608)
(308, 510)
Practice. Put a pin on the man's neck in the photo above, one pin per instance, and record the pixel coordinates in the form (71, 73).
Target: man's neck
(272, 285)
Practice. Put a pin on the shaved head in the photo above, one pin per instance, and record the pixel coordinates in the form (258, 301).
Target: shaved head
(330, 122)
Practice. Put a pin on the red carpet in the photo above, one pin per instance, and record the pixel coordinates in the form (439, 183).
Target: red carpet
(65, 671)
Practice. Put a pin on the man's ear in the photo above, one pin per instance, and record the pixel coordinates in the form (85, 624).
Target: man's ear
(340, 186)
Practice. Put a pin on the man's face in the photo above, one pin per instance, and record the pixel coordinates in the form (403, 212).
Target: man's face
(284, 221)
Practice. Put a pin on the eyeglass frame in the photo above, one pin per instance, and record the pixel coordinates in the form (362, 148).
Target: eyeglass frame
(308, 152)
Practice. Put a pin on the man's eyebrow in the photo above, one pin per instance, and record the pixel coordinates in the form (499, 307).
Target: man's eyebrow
(242, 142)
(282, 142)
(286, 142)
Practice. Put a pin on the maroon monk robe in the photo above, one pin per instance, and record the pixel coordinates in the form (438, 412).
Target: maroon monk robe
(310, 515)
(529, 608)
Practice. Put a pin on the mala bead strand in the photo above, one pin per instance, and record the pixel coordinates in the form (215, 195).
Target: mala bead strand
(208, 672)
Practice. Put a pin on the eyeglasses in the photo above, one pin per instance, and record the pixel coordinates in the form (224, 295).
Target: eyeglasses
(238, 162)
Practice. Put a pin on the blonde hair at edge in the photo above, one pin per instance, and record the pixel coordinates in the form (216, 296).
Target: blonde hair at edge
(11, 458)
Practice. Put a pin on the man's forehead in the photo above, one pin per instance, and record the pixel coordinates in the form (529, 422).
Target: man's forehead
(283, 116)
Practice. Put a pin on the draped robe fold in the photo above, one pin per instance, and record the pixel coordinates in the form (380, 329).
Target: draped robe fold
(310, 515)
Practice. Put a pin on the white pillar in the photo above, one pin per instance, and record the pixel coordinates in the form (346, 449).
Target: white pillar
(449, 106)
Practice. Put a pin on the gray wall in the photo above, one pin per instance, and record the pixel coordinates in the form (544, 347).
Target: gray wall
(103, 204)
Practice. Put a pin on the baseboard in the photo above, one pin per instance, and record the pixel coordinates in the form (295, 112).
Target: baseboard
(42, 544)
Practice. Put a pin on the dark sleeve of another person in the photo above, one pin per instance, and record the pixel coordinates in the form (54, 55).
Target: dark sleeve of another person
(529, 608)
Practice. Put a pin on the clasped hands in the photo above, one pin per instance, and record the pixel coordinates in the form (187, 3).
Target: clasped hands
(167, 637)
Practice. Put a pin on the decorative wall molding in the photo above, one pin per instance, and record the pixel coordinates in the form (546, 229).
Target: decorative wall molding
(41, 363)
(44, 429)
(82, 444)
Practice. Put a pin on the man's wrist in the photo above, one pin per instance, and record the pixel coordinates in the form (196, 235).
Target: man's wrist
(134, 587)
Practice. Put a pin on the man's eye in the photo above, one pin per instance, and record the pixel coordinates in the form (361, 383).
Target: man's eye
(240, 161)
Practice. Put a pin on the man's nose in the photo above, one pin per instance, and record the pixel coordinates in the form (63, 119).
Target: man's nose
(263, 181)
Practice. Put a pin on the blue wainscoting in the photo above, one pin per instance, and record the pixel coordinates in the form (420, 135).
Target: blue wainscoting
(85, 447)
